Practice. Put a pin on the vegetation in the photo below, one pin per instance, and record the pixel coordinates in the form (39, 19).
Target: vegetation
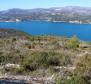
(44, 56)
(73, 42)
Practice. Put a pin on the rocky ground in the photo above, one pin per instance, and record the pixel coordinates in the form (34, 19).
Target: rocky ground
(42, 59)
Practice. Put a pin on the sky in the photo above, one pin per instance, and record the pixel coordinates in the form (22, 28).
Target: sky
(29, 4)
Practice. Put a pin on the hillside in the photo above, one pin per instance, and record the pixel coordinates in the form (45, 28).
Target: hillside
(72, 14)
(7, 33)
(44, 59)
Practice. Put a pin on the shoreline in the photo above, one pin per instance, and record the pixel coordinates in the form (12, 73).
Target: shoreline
(71, 22)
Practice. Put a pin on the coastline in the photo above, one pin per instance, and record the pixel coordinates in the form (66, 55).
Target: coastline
(71, 22)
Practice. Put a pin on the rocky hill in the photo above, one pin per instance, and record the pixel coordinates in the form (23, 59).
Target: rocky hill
(74, 14)
(44, 59)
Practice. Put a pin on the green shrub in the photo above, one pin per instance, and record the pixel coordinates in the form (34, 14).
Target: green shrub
(53, 61)
(73, 42)
(31, 67)
(36, 60)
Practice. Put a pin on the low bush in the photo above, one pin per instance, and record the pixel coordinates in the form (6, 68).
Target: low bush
(44, 60)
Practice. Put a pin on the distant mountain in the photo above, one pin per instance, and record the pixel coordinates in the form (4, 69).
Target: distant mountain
(68, 14)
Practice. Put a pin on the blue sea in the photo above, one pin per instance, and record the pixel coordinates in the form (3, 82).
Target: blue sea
(82, 31)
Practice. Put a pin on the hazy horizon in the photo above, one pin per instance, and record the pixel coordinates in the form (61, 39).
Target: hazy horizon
(43, 8)
(31, 4)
